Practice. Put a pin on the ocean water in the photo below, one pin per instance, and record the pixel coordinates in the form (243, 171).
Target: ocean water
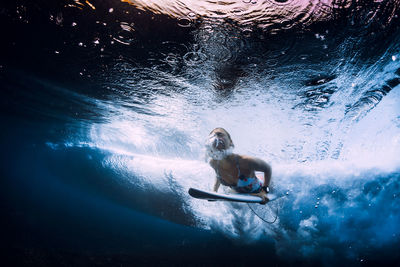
(106, 106)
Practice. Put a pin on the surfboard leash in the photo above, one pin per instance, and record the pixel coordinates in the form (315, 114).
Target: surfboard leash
(277, 209)
(276, 217)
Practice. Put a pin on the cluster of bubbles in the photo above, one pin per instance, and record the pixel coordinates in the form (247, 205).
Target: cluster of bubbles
(188, 20)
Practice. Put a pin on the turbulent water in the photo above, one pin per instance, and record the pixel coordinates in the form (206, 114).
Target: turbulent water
(106, 106)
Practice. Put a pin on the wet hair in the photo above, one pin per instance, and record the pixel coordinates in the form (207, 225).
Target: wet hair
(222, 129)
(215, 154)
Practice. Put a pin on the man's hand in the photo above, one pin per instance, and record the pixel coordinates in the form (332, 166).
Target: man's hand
(264, 197)
(262, 166)
(217, 184)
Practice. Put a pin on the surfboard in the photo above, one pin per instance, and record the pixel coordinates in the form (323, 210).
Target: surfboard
(213, 196)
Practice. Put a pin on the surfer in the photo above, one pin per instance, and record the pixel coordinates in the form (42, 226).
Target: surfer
(233, 170)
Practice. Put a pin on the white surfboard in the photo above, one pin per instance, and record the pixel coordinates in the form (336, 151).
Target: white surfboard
(213, 196)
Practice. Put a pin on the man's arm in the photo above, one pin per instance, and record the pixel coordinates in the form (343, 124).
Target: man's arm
(262, 166)
(217, 181)
(216, 185)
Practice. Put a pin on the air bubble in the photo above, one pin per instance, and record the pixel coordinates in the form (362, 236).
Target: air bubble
(192, 15)
(171, 59)
(126, 27)
(247, 32)
(184, 22)
(59, 19)
(111, 10)
(208, 29)
(192, 58)
(280, 2)
(320, 36)
(125, 35)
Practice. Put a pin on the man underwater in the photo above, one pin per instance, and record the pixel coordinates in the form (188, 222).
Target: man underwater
(236, 171)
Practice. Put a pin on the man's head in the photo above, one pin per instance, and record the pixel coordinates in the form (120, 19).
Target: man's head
(219, 144)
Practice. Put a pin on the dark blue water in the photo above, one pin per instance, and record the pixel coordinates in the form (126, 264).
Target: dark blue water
(105, 108)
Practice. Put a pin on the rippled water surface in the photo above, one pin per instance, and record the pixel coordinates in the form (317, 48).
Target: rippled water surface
(106, 106)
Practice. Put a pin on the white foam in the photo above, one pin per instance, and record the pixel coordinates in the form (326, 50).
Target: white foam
(307, 149)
